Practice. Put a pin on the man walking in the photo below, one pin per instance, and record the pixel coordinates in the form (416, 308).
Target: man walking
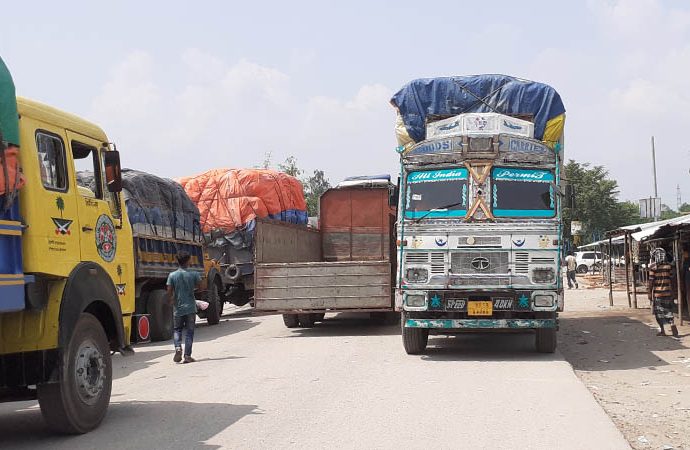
(571, 270)
(661, 292)
(181, 285)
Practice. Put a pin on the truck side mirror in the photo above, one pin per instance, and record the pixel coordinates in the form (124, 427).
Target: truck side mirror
(113, 172)
(393, 193)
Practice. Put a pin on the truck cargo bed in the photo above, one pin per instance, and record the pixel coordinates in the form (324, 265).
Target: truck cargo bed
(323, 286)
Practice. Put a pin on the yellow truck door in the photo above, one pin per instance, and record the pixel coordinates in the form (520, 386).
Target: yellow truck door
(103, 239)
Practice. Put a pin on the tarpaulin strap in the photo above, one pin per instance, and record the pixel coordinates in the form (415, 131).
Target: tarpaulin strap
(479, 99)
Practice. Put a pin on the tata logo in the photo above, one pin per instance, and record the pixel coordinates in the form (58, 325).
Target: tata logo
(441, 242)
(480, 263)
(518, 242)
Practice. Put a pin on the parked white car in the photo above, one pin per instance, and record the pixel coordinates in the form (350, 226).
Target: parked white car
(588, 261)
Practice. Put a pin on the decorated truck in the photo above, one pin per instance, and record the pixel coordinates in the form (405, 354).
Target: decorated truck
(231, 204)
(164, 222)
(348, 265)
(479, 214)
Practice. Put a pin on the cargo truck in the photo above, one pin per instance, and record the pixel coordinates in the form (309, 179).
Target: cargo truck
(346, 266)
(68, 269)
(479, 217)
(164, 222)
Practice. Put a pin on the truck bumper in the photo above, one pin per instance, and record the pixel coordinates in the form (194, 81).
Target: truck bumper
(481, 323)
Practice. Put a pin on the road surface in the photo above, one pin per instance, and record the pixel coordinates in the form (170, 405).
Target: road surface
(345, 384)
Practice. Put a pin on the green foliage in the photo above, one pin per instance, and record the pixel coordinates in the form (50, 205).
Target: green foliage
(684, 208)
(290, 167)
(314, 186)
(668, 213)
(596, 202)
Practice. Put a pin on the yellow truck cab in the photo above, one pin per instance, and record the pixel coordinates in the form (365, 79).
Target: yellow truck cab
(58, 332)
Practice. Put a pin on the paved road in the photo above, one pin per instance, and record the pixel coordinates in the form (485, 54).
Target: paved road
(345, 384)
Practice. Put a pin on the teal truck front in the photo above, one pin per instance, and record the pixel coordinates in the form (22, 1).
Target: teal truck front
(479, 217)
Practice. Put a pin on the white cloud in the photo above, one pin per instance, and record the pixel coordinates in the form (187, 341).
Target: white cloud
(217, 114)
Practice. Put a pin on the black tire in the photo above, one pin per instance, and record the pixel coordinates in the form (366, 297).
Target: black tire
(215, 304)
(414, 339)
(318, 317)
(161, 315)
(546, 340)
(582, 269)
(291, 320)
(79, 401)
(306, 320)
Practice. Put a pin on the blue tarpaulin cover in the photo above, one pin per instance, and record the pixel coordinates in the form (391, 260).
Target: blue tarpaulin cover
(450, 96)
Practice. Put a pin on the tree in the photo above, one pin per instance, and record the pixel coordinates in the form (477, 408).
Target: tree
(684, 208)
(290, 167)
(668, 213)
(596, 202)
(314, 186)
(267, 162)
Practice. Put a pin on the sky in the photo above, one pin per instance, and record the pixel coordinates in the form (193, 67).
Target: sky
(183, 87)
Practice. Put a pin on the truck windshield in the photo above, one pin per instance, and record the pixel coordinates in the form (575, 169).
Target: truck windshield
(430, 190)
(522, 193)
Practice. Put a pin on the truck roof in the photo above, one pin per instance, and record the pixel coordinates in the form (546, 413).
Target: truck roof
(60, 118)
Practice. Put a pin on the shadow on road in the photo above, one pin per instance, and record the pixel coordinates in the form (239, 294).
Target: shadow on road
(130, 425)
(485, 347)
(346, 324)
(601, 342)
(228, 326)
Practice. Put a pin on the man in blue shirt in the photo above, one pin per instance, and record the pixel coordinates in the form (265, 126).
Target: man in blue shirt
(181, 285)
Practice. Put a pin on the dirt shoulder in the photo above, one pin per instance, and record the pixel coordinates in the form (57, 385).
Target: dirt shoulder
(640, 379)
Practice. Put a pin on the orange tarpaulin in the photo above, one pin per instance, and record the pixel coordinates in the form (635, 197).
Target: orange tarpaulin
(10, 164)
(230, 198)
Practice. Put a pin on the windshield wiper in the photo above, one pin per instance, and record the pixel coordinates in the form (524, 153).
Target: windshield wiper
(418, 219)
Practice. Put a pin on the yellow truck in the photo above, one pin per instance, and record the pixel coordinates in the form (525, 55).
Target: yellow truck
(71, 270)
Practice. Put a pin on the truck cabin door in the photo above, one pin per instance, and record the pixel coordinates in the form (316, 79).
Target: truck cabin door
(99, 216)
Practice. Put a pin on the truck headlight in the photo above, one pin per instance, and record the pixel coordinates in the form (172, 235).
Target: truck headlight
(543, 275)
(415, 300)
(543, 300)
(417, 275)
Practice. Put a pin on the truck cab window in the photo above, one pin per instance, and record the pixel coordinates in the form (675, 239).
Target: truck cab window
(51, 161)
(86, 164)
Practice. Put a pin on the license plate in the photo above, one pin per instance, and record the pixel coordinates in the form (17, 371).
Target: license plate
(482, 308)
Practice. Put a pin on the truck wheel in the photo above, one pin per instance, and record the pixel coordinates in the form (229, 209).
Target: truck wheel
(291, 320)
(546, 340)
(306, 320)
(414, 339)
(215, 305)
(318, 317)
(77, 403)
(161, 316)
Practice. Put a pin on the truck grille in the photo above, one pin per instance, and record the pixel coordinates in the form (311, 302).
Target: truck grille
(479, 262)
(521, 263)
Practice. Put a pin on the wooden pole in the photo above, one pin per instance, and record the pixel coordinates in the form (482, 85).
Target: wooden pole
(610, 272)
(632, 268)
(681, 278)
(626, 256)
(677, 257)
